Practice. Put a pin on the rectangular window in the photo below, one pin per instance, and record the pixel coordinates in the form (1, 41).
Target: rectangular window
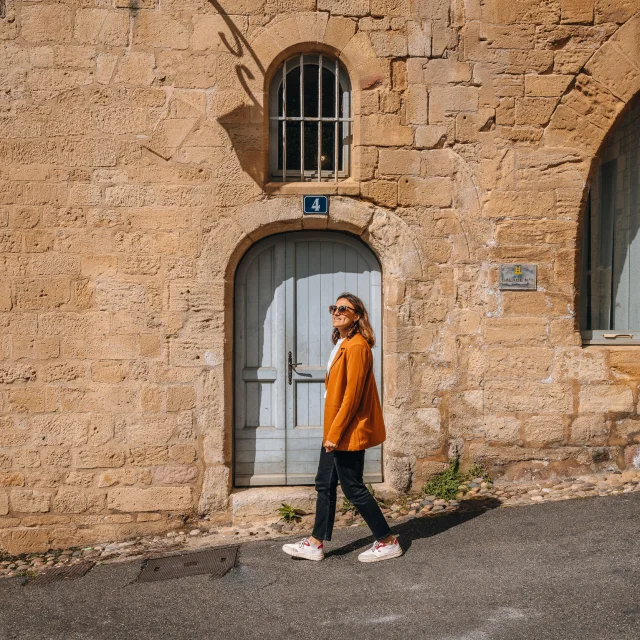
(610, 288)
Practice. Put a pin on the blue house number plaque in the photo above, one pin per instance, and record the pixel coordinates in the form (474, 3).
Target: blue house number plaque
(318, 205)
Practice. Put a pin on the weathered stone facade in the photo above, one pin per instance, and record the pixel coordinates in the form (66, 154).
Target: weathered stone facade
(133, 177)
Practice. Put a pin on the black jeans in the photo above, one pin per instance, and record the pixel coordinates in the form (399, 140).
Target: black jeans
(346, 467)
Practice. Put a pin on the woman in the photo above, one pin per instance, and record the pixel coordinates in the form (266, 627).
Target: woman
(352, 423)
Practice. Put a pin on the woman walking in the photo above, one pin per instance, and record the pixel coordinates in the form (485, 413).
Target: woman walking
(352, 423)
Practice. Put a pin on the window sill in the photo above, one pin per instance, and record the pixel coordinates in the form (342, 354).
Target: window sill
(346, 187)
(597, 338)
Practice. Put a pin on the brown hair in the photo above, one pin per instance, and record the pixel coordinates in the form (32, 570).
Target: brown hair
(361, 326)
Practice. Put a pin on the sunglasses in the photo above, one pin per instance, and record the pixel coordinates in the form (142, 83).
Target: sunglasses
(341, 309)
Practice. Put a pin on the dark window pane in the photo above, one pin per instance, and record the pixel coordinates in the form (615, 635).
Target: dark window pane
(328, 146)
(293, 147)
(311, 90)
(293, 93)
(328, 93)
(311, 147)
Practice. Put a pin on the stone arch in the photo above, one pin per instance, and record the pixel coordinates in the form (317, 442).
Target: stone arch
(588, 111)
(594, 101)
(223, 246)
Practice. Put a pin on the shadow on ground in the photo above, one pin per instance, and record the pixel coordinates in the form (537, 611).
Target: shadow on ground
(418, 528)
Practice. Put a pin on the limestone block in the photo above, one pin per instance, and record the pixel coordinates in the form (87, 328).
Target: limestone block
(13, 433)
(446, 71)
(610, 67)
(523, 11)
(543, 430)
(419, 38)
(399, 472)
(581, 364)
(180, 398)
(107, 347)
(632, 456)
(589, 429)
(396, 134)
(344, 7)
(4, 503)
(519, 204)
(535, 232)
(416, 105)
(151, 499)
(174, 475)
(27, 400)
(347, 213)
(534, 111)
(17, 372)
(157, 29)
(11, 479)
(430, 136)
(624, 363)
(604, 398)
(382, 192)
(431, 9)
(413, 433)
(399, 162)
(100, 26)
(211, 32)
(151, 430)
(215, 489)
(30, 501)
(389, 43)
(529, 397)
(37, 349)
(24, 540)
(550, 85)
(577, 11)
(501, 428)
(70, 501)
(147, 456)
(614, 10)
(439, 162)
(55, 430)
(428, 192)
(48, 22)
(99, 457)
(339, 31)
(443, 100)
(136, 68)
(182, 453)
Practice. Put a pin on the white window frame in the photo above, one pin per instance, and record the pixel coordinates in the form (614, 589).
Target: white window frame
(342, 126)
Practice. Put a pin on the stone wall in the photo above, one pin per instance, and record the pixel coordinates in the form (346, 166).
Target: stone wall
(133, 176)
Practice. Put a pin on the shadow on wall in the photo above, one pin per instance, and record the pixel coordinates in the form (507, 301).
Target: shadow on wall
(243, 123)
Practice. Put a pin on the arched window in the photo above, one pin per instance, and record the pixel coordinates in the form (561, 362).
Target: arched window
(610, 288)
(310, 119)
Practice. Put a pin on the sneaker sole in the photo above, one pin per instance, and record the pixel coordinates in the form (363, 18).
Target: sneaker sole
(293, 554)
(395, 554)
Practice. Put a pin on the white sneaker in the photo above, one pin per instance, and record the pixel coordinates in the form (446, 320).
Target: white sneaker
(304, 549)
(381, 551)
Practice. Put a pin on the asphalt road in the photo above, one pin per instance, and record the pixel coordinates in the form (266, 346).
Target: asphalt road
(565, 570)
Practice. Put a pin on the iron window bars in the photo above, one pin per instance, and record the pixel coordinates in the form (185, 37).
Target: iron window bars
(310, 119)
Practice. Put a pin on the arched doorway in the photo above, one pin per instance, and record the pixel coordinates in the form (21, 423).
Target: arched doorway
(283, 288)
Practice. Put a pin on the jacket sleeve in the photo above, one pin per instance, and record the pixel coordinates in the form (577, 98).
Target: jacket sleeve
(358, 360)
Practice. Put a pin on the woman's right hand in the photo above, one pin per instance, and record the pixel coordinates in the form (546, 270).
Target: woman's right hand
(329, 446)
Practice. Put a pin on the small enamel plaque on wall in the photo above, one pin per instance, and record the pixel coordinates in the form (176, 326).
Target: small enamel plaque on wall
(315, 204)
(518, 277)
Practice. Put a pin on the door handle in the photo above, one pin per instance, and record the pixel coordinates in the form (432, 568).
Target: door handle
(291, 365)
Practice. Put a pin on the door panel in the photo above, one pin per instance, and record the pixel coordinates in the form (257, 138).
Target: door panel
(289, 281)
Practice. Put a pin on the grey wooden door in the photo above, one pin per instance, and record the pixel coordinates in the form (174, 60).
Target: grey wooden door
(284, 287)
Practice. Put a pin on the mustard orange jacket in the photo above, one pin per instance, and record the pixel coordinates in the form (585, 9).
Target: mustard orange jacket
(352, 411)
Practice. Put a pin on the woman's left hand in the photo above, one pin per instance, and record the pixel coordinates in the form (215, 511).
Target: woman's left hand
(329, 446)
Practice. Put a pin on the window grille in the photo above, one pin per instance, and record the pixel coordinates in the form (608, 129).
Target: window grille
(310, 120)
(610, 287)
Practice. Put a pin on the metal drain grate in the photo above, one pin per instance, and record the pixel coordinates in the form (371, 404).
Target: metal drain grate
(70, 572)
(214, 561)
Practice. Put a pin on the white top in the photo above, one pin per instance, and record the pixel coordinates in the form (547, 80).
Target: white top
(334, 352)
(332, 356)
